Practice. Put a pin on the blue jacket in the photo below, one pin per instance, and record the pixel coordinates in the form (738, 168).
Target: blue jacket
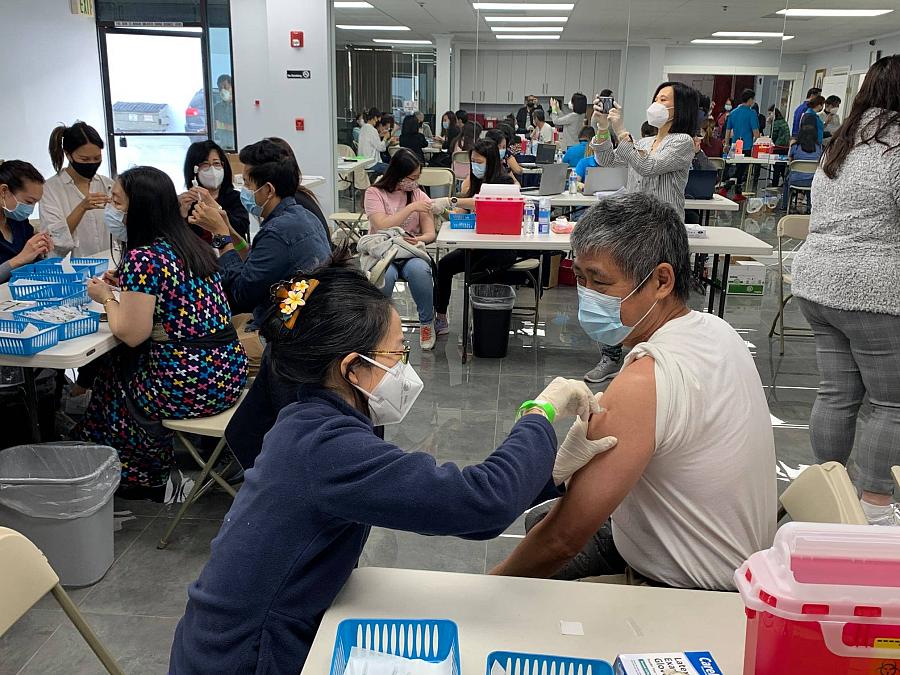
(290, 239)
(574, 154)
(798, 113)
(299, 524)
(585, 164)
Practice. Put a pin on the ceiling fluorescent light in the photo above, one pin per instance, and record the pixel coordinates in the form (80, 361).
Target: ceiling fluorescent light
(527, 29)
(834, 12)
(526, 19)
(524, 6)
(345, 26)
(787, 37)
(506, 36)
(341, 4)
(745, 34)
(725, 42)
(402, 42)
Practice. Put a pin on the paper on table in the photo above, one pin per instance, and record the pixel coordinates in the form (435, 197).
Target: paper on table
(29, 282)
(367, 662)
(30, 330)
(66, 264)
(497, 669)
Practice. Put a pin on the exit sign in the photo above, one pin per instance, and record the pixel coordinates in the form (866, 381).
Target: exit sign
(82, 7)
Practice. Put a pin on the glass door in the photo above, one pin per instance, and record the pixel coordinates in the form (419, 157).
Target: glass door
(156, 98)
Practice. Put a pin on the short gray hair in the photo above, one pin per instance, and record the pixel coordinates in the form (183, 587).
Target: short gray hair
(638, 231)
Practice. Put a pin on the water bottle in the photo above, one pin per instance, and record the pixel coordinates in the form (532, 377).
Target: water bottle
(573, 183)
(544, 216)
(528, 224)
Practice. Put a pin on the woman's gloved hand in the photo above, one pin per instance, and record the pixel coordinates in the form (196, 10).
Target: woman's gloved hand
(570, 398)
(577, 450)
(439, 205)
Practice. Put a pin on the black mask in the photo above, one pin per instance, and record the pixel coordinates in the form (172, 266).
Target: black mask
(85, 169)
(530, 104)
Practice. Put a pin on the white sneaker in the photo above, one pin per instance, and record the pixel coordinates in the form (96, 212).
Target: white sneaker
(607, 369)
(881, 515)
(427, 336)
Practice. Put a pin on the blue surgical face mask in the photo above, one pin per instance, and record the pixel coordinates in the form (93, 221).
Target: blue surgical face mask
(502, 153)
(20, 212)
(445, 124)
(478, 170)
(115, 222)
(601, 315)
(727, 106)
(248, 199)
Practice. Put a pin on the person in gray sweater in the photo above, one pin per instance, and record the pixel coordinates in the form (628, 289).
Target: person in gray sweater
(846, 278)
(572, 121)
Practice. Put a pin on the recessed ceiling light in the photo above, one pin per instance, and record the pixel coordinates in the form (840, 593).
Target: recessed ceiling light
(524, 6)
(725, 42)
(834, 12)
(527, 37)
(345, 26)
(526, 19)
(402, 42)
(745, 34)
(342, 4)
(527, 29)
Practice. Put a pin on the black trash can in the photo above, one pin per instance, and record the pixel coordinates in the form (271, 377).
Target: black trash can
(492, 306)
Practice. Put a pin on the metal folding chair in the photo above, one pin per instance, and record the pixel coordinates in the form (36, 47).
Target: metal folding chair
(789, 227)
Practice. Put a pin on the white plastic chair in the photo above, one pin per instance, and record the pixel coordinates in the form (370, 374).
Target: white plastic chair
(789, 227)
(25, 578)
(823, 493)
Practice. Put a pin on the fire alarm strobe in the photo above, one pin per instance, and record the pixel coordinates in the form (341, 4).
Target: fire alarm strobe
(299, 124)
(296, 39)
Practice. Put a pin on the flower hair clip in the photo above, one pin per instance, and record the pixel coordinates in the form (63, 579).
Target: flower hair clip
(292, 297)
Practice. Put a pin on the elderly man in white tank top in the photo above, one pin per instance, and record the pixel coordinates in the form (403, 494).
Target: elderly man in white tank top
(689, 491)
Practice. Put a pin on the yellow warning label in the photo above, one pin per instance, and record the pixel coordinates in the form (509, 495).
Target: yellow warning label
(887, 643)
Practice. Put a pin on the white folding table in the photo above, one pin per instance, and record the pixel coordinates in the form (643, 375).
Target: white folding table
(312, 181)
(524, 615)
(720, 241)
(346, 167)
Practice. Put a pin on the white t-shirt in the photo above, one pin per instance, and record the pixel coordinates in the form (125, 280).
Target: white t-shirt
(542, 135)
(707, 500)
(370, 143)
(60, 199)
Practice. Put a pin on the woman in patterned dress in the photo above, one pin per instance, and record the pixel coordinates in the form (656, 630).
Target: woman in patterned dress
(181, 358)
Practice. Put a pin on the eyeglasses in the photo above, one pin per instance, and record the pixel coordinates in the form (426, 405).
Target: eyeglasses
(404, 354)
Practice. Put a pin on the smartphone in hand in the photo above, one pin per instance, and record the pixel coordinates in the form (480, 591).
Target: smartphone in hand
(605, 102)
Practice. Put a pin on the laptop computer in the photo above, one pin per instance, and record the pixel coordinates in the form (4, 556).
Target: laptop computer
(553, 181)
(701, 184)
(605, 179)
(546, 153)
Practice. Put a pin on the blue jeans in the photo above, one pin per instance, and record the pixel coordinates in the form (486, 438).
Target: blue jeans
(417, 273)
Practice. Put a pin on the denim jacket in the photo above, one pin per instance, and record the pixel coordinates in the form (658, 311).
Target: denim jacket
(290, 239)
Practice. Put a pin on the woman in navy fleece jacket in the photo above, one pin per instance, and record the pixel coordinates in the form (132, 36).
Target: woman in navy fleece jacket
(299, 523)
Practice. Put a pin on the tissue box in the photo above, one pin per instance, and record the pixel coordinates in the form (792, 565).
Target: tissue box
(745, 277)
(683, 663)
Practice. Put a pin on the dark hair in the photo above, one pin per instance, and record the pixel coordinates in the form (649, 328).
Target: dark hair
(586, 133)
(493, 169)
(880, 93)
(704, 103)
(816, 101)
(538, 114)
(197, 154)
(579, 103)
(509, 130)
(154, 212)
(747, 95)
(345, 313)
(223, 78)
(639, 232)
(451, 119)
(808, 137)
(813, 91)
(462, 116)
(496, 135)
(684, 121)
(267, 162)
(471, 132)
(648, 130)
(387, 120)
(403, 163)
(372, 113)
(606, 92)
(67, 140)
(289, 153)
(410, 125)
(14, 173)
(778, 114)
(833, 100)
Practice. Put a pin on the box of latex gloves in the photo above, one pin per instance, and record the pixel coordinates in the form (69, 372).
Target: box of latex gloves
(675, 663)
(745, 277)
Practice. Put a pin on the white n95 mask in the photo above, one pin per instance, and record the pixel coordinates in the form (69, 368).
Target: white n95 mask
(395, 395)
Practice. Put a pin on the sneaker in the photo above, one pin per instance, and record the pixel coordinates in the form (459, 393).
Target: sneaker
(427, 337)
(605, 370)
(881, 515)
(441, 325)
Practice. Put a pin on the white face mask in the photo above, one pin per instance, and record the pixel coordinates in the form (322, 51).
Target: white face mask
(211, 177)
(395, 395)
(226, 95)
(658, 114)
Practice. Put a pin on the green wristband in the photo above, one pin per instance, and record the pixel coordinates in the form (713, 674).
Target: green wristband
(239, 245)
(602, 136)
(548, 409)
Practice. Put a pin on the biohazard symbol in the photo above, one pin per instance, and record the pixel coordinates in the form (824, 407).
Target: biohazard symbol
(889, 668)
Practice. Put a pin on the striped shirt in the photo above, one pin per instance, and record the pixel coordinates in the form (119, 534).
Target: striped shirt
(662, 174)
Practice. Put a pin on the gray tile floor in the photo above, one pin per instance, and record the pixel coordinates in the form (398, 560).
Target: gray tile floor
(462, 414)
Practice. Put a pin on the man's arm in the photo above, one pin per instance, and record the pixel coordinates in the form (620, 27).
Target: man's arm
(597, 489)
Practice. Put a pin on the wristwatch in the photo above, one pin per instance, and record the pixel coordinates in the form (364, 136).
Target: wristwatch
(547, 407)
(221, 240)
(453, 202)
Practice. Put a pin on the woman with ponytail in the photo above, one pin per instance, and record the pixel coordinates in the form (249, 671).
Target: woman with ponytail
(74, 199)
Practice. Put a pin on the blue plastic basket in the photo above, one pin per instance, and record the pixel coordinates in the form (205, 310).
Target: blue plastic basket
(541, 664)
(44, 289)
(76, 298)
(29, 346)
(431, 640)
(68, 330)
(84, 266)
(462, 221)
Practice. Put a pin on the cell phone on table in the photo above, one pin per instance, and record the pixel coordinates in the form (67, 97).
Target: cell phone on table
(605, 103)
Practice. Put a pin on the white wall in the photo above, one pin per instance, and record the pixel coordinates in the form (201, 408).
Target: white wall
(856, 56)
(51, 74)
(262, 55)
